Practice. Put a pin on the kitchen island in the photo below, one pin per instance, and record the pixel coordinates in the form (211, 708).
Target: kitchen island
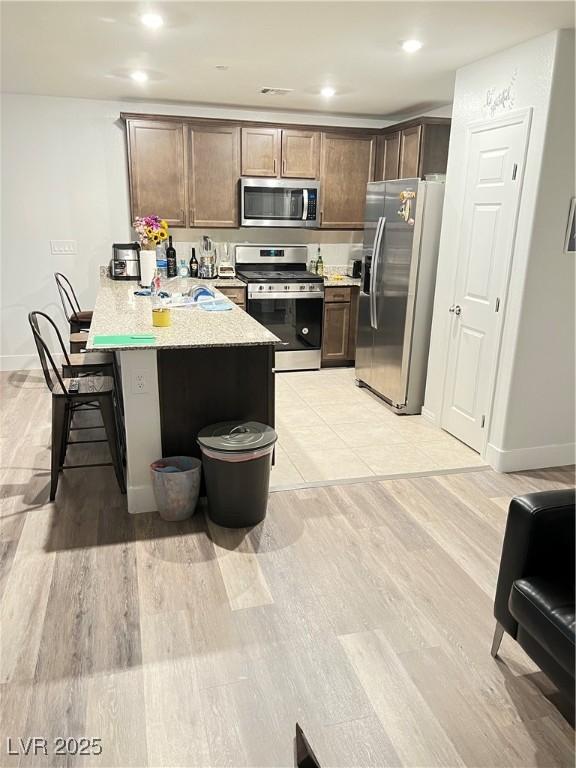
(203, 368)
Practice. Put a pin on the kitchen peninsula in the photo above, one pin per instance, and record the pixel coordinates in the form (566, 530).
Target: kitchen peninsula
(204, 368)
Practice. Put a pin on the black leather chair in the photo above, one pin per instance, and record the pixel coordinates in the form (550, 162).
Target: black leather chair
(535, 593)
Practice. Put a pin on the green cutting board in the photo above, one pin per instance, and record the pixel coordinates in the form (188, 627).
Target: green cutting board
(131, 340)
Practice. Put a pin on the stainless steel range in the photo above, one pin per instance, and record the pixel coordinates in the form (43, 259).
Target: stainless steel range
(286, 299)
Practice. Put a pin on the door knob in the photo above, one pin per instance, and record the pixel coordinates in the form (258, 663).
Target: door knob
(456, 309)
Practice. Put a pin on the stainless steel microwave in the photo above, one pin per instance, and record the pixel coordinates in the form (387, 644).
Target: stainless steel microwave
(279, 203)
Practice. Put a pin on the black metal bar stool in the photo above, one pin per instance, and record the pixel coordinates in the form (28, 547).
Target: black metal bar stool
(94, 389)
(78, 319)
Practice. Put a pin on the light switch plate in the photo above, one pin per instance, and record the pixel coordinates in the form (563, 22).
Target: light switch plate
(63, 247)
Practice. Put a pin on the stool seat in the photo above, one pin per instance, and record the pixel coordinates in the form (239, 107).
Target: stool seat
(78, 341)
(88, 387)
(90, 359)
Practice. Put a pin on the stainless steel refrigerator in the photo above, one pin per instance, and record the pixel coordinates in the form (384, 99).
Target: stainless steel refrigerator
(399, 258)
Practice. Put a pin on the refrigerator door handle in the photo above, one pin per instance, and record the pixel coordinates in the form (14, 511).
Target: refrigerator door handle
(374, 271)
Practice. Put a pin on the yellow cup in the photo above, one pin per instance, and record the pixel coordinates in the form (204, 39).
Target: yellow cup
(161, 317)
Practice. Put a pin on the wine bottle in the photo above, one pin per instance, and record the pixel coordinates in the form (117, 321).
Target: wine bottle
(171, 263)
(319, 264)
(193, 264)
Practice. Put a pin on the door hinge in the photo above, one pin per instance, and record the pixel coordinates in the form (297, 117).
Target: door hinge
(483, 422)
(514, 171)
(497, 305)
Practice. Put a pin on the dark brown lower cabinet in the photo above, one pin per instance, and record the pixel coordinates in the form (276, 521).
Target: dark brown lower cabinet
(340, 324)
(237, 295)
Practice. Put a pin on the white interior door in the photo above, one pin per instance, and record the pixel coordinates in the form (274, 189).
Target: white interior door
(496, 153)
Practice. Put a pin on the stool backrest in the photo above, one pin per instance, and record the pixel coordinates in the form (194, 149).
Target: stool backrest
(70, 302)
(49, 367)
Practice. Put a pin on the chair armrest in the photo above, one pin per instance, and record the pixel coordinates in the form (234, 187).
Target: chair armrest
(539, 541)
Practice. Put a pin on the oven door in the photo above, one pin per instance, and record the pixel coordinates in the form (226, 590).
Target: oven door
(279, 203)
(297, 321)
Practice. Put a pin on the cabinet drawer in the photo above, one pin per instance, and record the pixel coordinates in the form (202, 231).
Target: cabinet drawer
(337, 294)
(237, 295)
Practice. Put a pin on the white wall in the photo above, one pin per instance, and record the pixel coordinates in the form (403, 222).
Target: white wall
(64, 177)
(532, 423)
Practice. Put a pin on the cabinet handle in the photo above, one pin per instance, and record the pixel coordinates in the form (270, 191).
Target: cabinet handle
(274, 166)
(321, 217)
(192, 211)
(283, 167)
(182, 215)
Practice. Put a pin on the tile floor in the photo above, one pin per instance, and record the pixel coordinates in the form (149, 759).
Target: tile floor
(329, 429)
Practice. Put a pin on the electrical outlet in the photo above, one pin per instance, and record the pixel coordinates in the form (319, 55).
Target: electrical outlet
(63, 247)
(139, 383)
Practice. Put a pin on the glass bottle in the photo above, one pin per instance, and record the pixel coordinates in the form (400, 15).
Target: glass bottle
(193, 264)
(171, 263)
(319, 264)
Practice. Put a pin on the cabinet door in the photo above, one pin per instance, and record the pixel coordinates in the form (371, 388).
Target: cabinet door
(260, 151)
(300, 154)
(237, 295)
(156, 166)
(410, 152)
(336, 332)
(214, 165)
(391, 156)
(346, 166)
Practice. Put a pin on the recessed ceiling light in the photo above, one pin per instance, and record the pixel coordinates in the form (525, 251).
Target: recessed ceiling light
(222, 67)
(139, 76)
(411, 46)
(152, 20)
(327, 91)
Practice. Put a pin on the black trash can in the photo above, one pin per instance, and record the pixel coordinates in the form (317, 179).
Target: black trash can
(237, 456)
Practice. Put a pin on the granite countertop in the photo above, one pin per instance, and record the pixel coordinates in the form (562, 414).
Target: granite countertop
(217, 282)
(119, 312)
(331, 282)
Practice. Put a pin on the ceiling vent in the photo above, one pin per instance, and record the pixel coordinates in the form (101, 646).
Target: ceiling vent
(276, 91)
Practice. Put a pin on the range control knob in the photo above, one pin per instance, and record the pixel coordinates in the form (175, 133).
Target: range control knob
(286, 287)
(270, 287)
(302, 287)
(260, 287)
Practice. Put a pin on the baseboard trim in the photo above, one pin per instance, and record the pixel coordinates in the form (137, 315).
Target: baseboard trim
(538, 457)
(10, 363)
(18, 362)
(141, 499)
(429, 416)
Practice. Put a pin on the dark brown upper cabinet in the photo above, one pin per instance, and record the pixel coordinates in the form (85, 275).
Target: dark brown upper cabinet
(391, 155)
(410, 152)
(280, 152)
(214, 169)
(413, 149)
(186, 170)
(157, 167)
(260, 151)
(346, 166)
(300, 154)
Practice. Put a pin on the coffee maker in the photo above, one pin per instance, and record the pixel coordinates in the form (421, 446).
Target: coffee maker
(125, 263)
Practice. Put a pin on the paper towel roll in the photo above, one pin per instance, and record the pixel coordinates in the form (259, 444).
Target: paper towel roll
(147, 266)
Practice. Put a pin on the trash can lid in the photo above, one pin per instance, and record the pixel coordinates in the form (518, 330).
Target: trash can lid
(236, 436)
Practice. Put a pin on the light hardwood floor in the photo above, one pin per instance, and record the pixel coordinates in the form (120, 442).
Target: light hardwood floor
(362, 611)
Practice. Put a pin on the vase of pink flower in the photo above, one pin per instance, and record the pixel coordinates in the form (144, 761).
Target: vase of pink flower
(151, 231)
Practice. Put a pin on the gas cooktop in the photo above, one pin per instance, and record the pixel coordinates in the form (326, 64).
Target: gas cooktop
(278, 276)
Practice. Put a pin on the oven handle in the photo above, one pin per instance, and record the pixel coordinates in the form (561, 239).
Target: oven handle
(374, 271)
(292, 295)
(305, 198)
